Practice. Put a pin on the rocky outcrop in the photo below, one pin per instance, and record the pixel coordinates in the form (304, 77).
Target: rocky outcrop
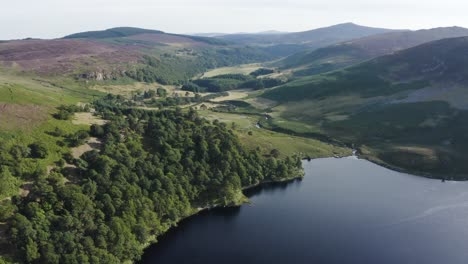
(102, 75)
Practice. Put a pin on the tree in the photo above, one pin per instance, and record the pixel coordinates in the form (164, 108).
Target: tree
(149, 94)
(96, 130)
(32, 251)
(275, 153)
(8, 183)
(19, 151)
(7, 210)
(234, 126)
(78, 138)
(161, 92)
(63, 114)
(38, 150)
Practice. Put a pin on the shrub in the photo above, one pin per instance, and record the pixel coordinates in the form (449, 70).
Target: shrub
(38, 150)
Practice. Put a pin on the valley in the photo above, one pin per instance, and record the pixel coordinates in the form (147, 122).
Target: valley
(110, 138)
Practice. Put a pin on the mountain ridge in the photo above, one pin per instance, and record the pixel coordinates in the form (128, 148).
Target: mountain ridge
(322, 35)
(358, 50)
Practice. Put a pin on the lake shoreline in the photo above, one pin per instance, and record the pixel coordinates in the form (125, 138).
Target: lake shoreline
(382, 215)
(153, 240)
(242, 199)
(428, 175)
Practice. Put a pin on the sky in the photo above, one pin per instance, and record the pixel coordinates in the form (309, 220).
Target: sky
(57, 18)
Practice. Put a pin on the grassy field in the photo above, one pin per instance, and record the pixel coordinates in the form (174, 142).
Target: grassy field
(26, 107)
(241, 69)
(233, 95)
(253, 137)
(27, 90)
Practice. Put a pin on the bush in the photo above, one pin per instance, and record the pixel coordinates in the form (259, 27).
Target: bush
(9, 184)
(66, 111)
(18, 152)
(38, 151)
(79, 138)
(96, 130)
(161, 92)
(63, 115)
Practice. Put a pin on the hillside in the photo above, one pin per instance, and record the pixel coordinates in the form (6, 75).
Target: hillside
(129, 32)
(125, 53)
(316, 37)
(407, 110)
(113, 33)
(289, 43)
(362, 49)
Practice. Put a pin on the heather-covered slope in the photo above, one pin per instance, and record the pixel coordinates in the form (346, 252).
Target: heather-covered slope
(132, 53)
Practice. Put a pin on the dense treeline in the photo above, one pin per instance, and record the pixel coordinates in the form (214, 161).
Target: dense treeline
(262, 71)
(228, 82)
(152, 169)
(173, 69)
(148, 98)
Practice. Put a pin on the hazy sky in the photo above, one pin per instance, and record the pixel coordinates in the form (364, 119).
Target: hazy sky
(56, 18)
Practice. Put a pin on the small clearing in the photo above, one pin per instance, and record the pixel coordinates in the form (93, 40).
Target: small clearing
(241, 69)
(25, 189)
(92, 143)
(87, 119)
(16, 116)
(127, 89)
(233, 95)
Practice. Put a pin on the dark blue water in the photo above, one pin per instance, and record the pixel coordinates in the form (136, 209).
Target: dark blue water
(344, 211)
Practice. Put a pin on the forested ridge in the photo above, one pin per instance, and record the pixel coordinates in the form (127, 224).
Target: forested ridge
(152, 169)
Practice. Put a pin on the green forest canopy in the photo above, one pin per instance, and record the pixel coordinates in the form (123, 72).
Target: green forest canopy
(153, 168)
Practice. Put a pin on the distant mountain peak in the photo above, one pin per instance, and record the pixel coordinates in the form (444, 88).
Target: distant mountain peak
(113, 33)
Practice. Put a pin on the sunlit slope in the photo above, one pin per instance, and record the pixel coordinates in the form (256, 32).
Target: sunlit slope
(408, 110)
(355, 51)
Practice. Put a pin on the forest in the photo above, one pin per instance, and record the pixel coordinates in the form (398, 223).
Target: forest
(226, 82)
(168, 68)
(152, 169)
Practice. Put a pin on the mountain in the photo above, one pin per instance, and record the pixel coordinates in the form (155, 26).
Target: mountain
(407, 110)
(313, 38)
(140, 54)
(142, 34)
(285, 44)
(351, 52)
(113, 33)
(209, 35)
(272, 32)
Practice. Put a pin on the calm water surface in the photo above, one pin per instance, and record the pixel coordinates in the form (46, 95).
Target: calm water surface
(343, 211)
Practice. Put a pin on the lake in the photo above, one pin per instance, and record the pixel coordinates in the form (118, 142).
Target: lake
(344, 211)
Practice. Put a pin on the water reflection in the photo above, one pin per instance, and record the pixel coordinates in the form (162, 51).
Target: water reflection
(227, 213)
(271, 188)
